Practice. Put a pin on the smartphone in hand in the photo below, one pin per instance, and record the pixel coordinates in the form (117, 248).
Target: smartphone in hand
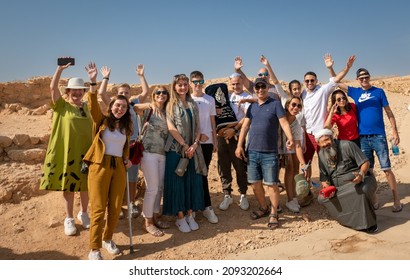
(65, 60)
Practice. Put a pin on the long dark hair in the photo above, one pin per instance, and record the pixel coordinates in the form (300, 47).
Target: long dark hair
(348, 107)
(125, 122)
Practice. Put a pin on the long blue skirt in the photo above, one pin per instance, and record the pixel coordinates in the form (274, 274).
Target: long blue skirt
(181, 193)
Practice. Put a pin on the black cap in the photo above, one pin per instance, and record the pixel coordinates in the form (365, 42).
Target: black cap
(362, 72)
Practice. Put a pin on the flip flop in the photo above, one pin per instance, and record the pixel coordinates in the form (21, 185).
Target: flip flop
(397, 209)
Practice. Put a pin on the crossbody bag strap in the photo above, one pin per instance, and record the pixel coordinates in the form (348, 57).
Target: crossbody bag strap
(145, 126)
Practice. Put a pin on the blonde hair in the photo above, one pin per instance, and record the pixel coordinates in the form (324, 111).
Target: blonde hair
(157, 110)
(173, 96)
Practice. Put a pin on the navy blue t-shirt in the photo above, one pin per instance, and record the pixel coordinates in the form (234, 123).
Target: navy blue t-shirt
(263, 132)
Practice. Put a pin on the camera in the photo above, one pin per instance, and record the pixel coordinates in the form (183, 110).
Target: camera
(65, 60)
(84, 168)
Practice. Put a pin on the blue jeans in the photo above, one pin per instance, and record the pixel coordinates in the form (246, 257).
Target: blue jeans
(263, 167)
(376, 143)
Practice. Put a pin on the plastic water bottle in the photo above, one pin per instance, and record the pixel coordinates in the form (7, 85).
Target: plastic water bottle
(394, 148)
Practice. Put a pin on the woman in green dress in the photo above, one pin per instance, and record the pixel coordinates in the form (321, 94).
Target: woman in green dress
(70, 139)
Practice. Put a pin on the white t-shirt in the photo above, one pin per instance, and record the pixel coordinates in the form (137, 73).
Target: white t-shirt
(239, 110)
(206, 106)
(315, 106)
(114, 142)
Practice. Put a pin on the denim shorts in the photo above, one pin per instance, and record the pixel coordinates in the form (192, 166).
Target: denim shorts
(263, 167)
(376, 143)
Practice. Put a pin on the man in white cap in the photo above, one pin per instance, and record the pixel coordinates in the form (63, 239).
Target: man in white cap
(343, 165)
(370, 102)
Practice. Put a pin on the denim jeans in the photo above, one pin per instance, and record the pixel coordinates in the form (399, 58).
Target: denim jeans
(263, 167)
(376, 143)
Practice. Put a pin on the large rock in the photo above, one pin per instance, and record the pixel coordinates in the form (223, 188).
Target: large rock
(29, 156)
(5, 141)
(21, 139)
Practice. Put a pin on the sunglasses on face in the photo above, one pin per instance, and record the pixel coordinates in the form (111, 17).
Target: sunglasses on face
(296, 105)
(310, 81)
(266, 74)
(363, 78)
(196, 82)
(164, 92)
(341, 98)
(260, 86)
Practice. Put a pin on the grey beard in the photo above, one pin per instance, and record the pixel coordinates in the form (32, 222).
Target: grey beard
(331, 156)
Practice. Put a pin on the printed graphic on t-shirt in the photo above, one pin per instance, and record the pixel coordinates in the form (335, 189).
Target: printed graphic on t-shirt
(364, 97)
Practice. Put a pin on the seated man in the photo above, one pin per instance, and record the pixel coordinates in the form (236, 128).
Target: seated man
(342, 164)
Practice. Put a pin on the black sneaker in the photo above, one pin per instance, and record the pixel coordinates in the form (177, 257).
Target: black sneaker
(372, 229)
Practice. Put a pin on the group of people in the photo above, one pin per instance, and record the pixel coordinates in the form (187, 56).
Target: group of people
(89, 148)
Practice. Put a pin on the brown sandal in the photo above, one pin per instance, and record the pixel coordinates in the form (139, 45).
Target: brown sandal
(273, 221)
(154, 231)
(260, 213)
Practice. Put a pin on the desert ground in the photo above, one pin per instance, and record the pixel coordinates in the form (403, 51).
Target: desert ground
(32, 221)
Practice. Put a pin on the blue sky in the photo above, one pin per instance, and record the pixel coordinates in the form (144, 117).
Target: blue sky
(172, 37)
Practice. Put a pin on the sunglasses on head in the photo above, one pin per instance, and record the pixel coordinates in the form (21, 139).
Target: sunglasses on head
(266, 74)
(341, 98)
(310, 81)
(178, 76)
(364, 78)
(296, 105)
(164, 92)
(260, 86)
(201, 82)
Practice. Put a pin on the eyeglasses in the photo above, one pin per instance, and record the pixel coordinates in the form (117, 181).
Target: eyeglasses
(201, 82)
(260, 86)
(164, 92)
(364, 78)
(83, 114)
(296, 105)
(341, 98)
(310, 81)
(266, 74)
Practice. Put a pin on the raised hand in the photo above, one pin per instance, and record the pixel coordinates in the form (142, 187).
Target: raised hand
(140, 70)
(91, 71)
(264, 60)
(105, 71)
(238, 63)
(350, 61)
(328, 60)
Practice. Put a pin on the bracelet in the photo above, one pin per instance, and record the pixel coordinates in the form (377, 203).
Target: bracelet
(106, 78)
(236, 130)
(93, 84)
(196, 142)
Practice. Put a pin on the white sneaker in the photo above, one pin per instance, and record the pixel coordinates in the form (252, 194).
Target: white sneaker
(111, 247)
(226, 202)
(296, 202)
(95, 255)
(210, 215)
(84, 219)
(292, 206)
(182, 225)
(69, 226)
(243, 202)
(193, 225)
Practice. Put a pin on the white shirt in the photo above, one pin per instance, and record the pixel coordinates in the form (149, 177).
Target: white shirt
(239, 110)
(315, 106)
(114, 142)
(206, 106)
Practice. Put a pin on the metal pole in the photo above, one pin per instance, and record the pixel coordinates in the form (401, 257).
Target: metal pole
(129, 215)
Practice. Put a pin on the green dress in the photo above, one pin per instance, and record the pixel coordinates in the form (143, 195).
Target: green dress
(70, 139)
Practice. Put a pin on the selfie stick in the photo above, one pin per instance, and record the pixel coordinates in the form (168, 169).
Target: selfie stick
(129, 215)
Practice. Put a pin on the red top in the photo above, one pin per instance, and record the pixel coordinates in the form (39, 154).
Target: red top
(347, 124)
